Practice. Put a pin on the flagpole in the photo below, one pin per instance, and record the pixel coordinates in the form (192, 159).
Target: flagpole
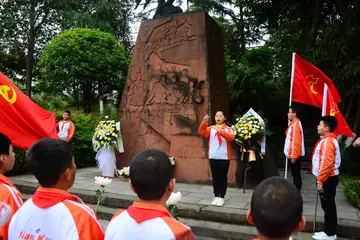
(292, 77)
(324, 105)
(290, 99)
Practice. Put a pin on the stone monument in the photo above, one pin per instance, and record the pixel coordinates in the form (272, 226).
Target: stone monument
(176, 77)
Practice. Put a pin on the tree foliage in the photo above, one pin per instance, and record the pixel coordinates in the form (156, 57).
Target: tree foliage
(84, 63)
(27, 25)
(113, 16)
(326, 33)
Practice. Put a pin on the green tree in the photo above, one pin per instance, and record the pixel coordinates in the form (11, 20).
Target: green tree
(30, 23)
(113, 16)
(324, 32)
(27, 25)
(238, 19)
(85, 63)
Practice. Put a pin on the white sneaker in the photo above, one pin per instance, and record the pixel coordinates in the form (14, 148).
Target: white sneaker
(220, 202)
(323, 236)
(215, 201)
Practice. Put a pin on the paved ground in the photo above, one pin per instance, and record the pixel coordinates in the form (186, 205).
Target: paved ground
(202, 194)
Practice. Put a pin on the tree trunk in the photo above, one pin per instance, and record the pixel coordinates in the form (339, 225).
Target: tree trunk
(87, 96)
(357, 118)
(30, 49)
(349, 107)
(242, 29)
(344, 104)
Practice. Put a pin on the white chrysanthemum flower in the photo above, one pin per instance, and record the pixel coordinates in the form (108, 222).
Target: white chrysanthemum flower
(102, 181)
(173, 199)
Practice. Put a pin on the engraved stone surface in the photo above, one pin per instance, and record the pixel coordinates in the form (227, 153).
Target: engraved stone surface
(177, 75)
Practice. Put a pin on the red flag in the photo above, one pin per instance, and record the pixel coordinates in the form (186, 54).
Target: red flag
(333, 110)
(308, 83)
(22, 120)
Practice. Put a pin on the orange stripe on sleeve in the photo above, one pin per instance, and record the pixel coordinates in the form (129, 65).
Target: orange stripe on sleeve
(71, 131)
(13, 198)
(85, 219)
(326, 160)
(204, 130)
(228, 134)
(180, 231)
(296, 141)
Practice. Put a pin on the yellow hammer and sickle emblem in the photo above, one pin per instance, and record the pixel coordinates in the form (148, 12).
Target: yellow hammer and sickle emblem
(334, 111)
(313, 83)
(4, 92)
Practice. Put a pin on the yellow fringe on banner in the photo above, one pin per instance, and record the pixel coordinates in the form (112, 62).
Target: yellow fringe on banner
(252, 156)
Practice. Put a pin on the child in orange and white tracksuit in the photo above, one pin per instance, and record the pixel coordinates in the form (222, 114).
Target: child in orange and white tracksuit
(9, 195)
(66, 127)
(152, 179)
(326, 161)
(52, 212)
(294, 148)
(220, 137)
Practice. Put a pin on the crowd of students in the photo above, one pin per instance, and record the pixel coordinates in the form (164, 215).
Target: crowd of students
(53, 213)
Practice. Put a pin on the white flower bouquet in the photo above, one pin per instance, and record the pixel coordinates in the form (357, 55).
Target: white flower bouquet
(248, 127)
(106, 135)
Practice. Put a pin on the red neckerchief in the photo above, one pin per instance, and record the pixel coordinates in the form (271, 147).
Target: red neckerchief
(291, 125)
(63, 123)
(217, 134)
(142, 212)
(47, 197)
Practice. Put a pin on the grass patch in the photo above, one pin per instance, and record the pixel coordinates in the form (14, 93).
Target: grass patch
(352, 189)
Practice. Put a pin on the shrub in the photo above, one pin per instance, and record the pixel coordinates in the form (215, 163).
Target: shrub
(352, 189)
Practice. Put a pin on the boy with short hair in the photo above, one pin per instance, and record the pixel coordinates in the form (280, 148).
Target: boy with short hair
(52, 212)
(152, 179)
(294, 148)
(276, 209)
(66, 127)
(326, 161)
(8, 192)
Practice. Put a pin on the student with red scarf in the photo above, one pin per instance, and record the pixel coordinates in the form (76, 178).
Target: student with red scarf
(9, 195)
(220, 137)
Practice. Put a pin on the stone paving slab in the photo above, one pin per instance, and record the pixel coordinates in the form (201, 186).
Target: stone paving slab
(202, 194)
(198, 196)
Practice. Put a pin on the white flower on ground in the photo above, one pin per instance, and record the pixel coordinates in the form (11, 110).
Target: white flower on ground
(102, 181)
(125, 169)
(106, 117)
(173, 199)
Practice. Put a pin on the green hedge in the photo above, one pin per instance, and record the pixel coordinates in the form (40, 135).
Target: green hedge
(352, 189)
(83, 152)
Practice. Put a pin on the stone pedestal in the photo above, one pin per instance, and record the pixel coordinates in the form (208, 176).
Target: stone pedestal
(176, 77)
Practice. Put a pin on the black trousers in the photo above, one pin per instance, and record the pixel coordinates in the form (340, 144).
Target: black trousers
(219, 171)
(296, 173)
(327, 199)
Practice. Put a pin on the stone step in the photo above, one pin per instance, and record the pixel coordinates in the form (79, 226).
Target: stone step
(204, 230)
(195, 212)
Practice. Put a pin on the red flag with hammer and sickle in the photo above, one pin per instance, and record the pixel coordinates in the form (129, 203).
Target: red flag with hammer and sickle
(22, 120)
(333, 110)
(308, 84)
